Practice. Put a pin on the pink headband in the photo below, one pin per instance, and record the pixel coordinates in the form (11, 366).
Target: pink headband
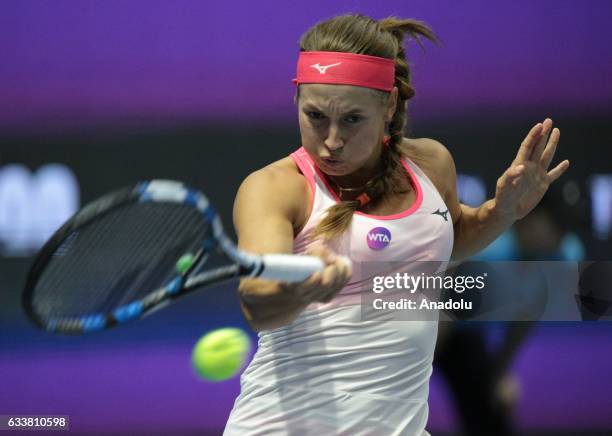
(345, 69)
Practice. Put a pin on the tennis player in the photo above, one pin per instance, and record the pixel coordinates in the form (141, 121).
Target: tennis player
(358, 188)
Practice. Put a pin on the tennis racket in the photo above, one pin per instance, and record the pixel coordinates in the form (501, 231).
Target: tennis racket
(134, 250)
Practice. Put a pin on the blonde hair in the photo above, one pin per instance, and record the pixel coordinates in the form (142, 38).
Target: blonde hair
(356, 33)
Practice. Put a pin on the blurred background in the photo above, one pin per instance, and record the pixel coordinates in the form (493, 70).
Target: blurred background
(95, 95)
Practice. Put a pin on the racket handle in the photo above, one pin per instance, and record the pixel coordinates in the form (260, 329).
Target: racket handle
(289, 267)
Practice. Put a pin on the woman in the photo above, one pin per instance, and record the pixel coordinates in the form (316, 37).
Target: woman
(358, 188)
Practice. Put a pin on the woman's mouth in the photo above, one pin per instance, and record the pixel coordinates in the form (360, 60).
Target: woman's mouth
(331, 162)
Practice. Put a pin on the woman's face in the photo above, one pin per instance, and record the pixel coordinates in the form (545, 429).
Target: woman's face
(342, 126)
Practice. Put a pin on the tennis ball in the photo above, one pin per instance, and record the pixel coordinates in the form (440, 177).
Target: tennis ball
(184, 263)
(221, 353)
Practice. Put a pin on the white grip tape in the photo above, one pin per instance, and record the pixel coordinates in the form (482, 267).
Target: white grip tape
(290, 268)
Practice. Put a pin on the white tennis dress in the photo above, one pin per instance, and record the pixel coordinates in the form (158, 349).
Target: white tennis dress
(330, 372)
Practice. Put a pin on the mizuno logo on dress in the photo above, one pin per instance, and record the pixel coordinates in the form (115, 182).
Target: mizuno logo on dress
(323, 68)
(442, 214)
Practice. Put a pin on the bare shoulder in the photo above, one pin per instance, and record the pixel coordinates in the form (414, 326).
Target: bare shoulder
(278, 180)
(427, 151)
(434, 159)
(276, 190)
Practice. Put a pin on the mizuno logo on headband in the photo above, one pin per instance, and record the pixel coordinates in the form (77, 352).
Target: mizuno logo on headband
(323, 68)
(348, 69)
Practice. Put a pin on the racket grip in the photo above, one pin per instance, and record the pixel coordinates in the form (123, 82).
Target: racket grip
(289, 267)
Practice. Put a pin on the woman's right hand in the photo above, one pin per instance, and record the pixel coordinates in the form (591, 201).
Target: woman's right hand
(322, 286)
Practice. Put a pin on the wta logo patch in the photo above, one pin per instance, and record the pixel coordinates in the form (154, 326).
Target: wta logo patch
(378, 238)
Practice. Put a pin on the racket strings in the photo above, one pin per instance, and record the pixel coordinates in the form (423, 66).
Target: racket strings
(118, 258)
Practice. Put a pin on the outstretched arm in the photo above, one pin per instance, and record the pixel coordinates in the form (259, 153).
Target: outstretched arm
(519, 189)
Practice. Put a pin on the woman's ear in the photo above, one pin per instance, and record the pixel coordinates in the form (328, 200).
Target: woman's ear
(296, 96)
(391, 104)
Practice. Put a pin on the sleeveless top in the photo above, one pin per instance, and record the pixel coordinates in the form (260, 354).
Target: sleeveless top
(330, 371)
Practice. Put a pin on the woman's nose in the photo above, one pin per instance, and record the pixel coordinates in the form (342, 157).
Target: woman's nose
(334, 140)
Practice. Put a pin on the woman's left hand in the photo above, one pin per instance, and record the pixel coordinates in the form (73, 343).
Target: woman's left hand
(523, 185)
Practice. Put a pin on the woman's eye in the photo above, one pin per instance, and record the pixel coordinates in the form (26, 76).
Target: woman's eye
(353, 119)
(314, 115)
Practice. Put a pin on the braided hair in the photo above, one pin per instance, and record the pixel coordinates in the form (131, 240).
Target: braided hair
(356, 33)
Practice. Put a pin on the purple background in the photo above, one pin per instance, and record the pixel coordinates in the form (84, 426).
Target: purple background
(150, 386)
(70, 63)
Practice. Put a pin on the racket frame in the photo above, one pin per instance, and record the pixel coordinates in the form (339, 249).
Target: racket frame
(163, 191)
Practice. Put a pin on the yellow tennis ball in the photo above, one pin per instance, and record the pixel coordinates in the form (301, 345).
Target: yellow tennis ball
(220, 354)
